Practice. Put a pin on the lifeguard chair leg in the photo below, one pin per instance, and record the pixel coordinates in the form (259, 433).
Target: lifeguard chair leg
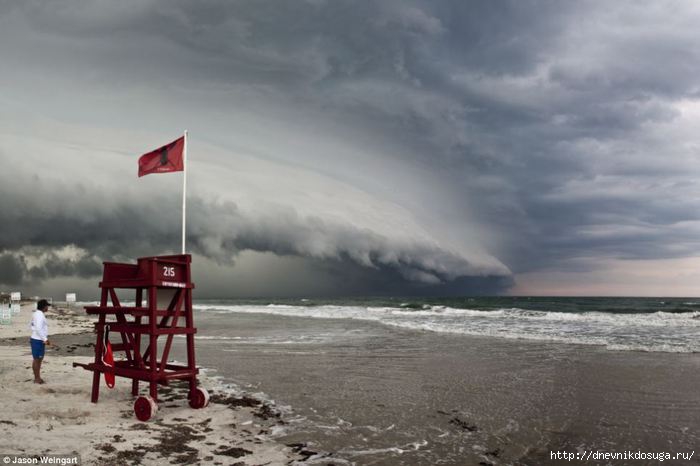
(137, 343)
(191, 365)
(153, 368)
(95, 387)
(96, 374)
(98, 350)
(153, 355)
(140, 359)
(136, 340)
(153, 384)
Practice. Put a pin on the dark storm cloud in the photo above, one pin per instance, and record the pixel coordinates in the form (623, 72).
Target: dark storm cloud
(11, 270)
(556, 127)
(53, 266)
(351, 279)
(583, 164)
(16, 269)
(55, 216)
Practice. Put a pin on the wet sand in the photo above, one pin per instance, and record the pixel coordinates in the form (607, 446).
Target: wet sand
(370, 394)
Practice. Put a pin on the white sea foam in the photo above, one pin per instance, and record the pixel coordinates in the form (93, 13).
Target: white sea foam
(397, 450)
(269, 340)
(656, 332)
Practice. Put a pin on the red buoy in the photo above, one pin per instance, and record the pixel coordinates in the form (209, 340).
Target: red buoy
(108, 360)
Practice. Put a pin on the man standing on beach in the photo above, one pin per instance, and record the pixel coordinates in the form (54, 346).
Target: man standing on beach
(39, 338)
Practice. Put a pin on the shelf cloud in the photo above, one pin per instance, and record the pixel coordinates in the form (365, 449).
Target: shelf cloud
(403, 147)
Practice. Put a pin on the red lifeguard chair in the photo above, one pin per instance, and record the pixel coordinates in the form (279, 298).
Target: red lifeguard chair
(166, 285)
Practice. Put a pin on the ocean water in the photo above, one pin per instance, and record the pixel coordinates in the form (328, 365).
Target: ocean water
(463, 381)
(622, 324)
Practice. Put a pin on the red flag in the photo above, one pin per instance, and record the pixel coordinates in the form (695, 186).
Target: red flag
(166, 159)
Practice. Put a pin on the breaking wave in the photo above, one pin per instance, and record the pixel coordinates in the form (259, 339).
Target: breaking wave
(651, 331)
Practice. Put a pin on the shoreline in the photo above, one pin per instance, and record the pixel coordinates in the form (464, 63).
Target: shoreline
(58, 417)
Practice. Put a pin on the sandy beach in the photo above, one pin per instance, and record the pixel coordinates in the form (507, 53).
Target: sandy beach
(58, 419)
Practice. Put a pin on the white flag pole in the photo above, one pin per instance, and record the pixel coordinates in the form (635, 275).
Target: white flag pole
(184, 191)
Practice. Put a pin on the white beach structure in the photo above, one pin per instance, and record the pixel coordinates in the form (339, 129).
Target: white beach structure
(71, 298)
(15, 298)
(5, 313)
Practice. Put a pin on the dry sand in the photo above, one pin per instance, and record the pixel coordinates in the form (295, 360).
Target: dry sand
(58, 418)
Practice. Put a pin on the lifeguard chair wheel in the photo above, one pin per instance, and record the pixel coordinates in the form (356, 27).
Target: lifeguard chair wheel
(199, 399)
(145, 408)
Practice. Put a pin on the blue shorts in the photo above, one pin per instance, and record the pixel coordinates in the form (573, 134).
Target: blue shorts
(38, 347)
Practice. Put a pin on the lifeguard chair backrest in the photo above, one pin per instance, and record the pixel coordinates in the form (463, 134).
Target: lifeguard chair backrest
(115, 271)
(161, 271)
(166, 271)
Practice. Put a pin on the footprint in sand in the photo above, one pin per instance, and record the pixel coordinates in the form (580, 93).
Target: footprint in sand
(69, 416)
(64, 391)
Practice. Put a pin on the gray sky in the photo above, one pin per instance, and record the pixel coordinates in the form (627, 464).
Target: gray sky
(345, 147)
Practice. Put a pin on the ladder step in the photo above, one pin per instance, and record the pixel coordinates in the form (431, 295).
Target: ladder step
(122, 347)
(133, 329)
(133, 311)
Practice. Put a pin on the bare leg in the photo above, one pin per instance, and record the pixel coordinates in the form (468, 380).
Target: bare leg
(36, 367)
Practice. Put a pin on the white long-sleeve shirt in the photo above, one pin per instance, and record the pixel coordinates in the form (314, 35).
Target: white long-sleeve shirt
(40, 329)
